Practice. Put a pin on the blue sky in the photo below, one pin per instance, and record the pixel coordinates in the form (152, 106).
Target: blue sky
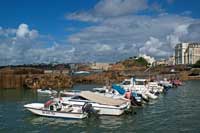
(34, 31)
(46, 15)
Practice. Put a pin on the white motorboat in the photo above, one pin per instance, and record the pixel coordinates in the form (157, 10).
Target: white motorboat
(70, 93)
(151, 95)
(139, 86)
(155, 87)
(102, 104)
(166, 83)
(57, 109)
(46, 91)
(117, 92)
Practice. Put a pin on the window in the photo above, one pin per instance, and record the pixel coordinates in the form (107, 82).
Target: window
(126, 83)
(139, 83)
(190, 55)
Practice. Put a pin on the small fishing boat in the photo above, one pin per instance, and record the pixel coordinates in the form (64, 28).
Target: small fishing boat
(54, 108)
(46, 91)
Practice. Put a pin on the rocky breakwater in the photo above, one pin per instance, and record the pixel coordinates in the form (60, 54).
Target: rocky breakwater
(99, 78)
(15, 77)
(115, 74)
(32, 78)
(56, 81)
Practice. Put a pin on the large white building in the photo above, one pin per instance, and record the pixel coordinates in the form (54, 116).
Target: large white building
(192, 53)
(187, 53)
(180, 52)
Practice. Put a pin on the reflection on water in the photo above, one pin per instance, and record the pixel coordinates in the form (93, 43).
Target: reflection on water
(177, 111)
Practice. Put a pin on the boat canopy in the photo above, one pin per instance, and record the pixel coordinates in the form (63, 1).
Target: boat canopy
(119, 89)
(101, 99)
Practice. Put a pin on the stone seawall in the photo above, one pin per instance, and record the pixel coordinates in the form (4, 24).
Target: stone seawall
(32, 78)
(12, 81)
(35, 78)
(55, 81)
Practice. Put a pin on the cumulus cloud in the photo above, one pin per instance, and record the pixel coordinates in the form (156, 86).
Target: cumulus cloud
(131, 35)
(109, 8)
(127, 33)
(153, 47)
(26, 46)
(178, 33)
(118, 32)
(24, 32)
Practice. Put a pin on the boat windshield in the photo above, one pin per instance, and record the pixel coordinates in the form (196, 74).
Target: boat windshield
(79, 98)
(126, 83)
(139, 83)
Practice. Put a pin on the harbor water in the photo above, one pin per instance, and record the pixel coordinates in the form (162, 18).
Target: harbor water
(176, 111)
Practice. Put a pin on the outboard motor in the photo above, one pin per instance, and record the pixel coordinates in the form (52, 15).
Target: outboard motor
(136, 100)
(87, 108)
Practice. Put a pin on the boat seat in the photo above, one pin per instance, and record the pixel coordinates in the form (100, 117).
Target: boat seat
(67, 110)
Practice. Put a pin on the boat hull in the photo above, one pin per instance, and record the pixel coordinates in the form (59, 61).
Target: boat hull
(55, 114)
(47, 92)
(102, 109)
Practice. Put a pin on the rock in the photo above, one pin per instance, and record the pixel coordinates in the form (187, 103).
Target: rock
(55, 81)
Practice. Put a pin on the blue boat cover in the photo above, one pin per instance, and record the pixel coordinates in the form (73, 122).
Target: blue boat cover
(119, 89)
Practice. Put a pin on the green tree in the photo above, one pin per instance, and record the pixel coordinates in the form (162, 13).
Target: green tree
(141, 61)
(197, 64)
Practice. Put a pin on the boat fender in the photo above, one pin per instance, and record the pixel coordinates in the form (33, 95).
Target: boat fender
(128, 95)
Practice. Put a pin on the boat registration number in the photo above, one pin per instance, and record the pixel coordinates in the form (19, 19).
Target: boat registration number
(48, 112)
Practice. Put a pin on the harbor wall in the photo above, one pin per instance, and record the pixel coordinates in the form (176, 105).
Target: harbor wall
(36, 78)
(32, 78)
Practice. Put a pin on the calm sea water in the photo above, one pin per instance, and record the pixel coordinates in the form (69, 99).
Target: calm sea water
(177, 111)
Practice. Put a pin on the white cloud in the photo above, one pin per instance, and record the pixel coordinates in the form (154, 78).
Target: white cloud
(178, 33)
(20, 46)
(148, 58)
(74, 39)
(24, 32)
(83, 16)
(109, 8)
(153, 47)
(186, 13)
(129, 35)
(119, 7)
(102, 47)
(117, 33)
(111, 40)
